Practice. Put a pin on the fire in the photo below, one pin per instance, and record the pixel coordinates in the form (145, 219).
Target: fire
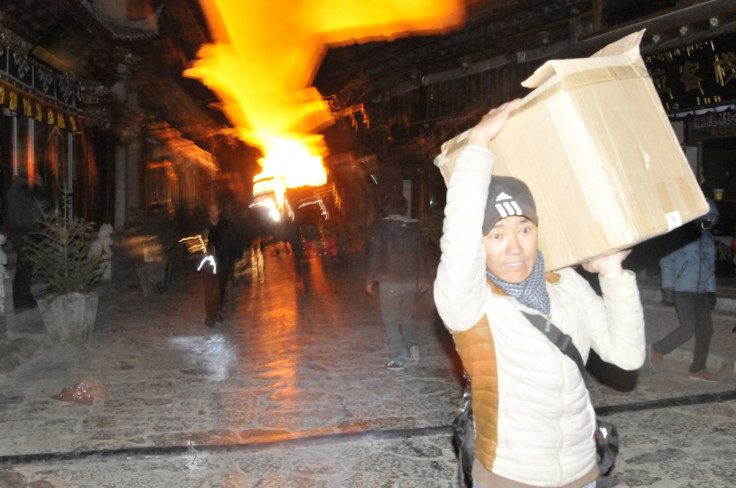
(295, 161)
(265, 57)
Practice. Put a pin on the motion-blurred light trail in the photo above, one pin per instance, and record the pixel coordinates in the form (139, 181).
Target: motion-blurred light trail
(265, 56)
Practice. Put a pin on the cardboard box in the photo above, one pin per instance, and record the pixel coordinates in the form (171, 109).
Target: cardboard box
(595, 146)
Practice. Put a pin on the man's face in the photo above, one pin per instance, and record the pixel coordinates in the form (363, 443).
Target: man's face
(214, 214)
(511, 249)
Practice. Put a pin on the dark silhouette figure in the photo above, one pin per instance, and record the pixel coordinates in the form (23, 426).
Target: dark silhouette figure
(25, 202)
(223, 244)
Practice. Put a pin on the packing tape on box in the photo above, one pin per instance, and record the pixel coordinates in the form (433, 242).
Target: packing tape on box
(582, 78)
(445, 161)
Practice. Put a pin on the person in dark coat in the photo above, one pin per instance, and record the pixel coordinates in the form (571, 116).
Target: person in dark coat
(25, 203)
(223, 244)
(397, 260)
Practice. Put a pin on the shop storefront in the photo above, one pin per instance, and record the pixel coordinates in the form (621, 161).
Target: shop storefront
(697, 84)
(41, 130)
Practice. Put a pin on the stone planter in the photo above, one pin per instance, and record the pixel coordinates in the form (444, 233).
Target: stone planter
(69, 318)
(154, 276)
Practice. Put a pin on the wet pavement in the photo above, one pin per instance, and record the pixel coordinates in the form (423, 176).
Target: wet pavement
(290, 390)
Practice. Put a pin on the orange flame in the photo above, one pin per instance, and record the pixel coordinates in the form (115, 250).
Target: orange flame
(266, 54)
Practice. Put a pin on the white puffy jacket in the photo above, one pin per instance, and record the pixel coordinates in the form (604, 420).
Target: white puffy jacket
(540, 421)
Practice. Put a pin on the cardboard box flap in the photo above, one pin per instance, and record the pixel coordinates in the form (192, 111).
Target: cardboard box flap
(628, 45)
(624, 52)
(449, 152)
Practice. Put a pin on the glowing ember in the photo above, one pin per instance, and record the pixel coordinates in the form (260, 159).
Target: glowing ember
(267, 53)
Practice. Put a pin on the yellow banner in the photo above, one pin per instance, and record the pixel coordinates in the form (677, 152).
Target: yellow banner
(35, 108)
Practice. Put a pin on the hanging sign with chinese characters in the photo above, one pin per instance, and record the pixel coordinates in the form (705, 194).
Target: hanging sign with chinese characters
(712, 125)
(696, 76)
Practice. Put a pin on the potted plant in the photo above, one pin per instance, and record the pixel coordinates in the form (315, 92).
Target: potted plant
(59, 252)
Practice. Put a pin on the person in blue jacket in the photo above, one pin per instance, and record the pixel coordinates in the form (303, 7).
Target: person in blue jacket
(689, 282)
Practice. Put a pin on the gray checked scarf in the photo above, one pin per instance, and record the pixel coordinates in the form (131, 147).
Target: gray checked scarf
(532, 292)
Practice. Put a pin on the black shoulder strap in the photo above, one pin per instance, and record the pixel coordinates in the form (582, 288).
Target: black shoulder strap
(558, 338)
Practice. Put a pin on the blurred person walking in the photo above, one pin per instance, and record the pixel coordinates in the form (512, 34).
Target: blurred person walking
(223, 244)
(689, 283)
(397, 261)
(26, 200)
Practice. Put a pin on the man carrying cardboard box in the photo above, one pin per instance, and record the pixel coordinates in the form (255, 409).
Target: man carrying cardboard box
(533, 417)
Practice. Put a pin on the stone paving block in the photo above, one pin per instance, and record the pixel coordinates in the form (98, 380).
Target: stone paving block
(291, 390)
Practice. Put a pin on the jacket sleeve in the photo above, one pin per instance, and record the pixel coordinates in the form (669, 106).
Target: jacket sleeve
(374, 253)
(421, 256)
(460, 283)
(616, 322)
(709, 262)
(667, 269)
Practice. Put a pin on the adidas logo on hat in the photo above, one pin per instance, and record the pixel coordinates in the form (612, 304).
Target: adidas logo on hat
(506, 208)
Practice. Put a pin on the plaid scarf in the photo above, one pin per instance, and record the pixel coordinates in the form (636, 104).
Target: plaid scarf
(532, 292)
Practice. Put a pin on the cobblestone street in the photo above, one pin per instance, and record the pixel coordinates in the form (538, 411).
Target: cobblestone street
(290, 390)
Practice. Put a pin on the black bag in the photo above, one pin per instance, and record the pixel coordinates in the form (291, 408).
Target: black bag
(606, 445)
(463, 437)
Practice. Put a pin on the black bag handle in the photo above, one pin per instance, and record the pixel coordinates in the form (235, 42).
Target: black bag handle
(558, 338)
(606, 437)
